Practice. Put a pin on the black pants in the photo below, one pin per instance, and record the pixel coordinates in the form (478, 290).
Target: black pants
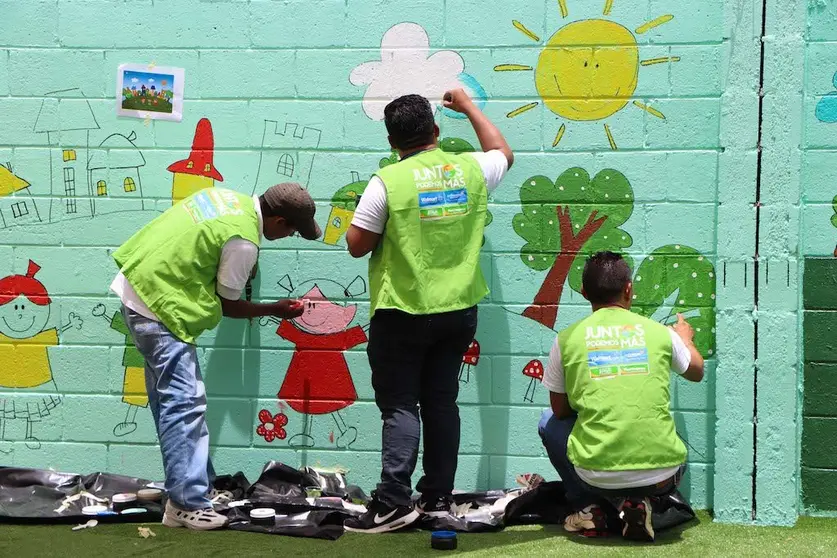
(415, 363)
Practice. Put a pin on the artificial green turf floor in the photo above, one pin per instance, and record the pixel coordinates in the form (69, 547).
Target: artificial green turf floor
(703, 538)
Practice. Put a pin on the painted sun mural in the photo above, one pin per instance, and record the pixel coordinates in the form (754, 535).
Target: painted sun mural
(588, 70)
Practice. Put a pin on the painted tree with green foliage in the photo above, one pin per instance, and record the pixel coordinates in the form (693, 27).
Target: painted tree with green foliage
(565, 221)
(678, 279)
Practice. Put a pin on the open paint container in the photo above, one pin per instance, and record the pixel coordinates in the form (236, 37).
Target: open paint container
(443, 540)
(265, 517)
(123, 501)
(149, 495)
(95, 509)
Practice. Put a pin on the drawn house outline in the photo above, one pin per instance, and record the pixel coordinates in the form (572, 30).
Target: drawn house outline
(287, 154)
(67, 122)
(17, 205)
(114, 172)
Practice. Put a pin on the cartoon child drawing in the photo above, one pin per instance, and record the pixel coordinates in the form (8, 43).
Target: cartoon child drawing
(133, 382)
(24, 357)
(318, 381)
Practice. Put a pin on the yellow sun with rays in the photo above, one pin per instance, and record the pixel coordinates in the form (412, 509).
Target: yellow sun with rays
(588, 69)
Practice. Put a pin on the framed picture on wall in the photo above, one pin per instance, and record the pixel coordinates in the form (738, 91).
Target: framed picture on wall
(154, 92)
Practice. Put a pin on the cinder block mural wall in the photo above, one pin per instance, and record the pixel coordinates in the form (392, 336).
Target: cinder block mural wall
(638, 127)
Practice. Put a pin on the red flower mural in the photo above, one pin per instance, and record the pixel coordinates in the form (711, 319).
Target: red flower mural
(271, 425)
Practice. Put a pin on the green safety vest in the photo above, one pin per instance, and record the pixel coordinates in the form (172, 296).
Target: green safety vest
(172, 263)
(617, 372)
(428, 260)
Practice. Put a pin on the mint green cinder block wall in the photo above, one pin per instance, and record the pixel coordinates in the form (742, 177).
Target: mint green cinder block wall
(274, 79)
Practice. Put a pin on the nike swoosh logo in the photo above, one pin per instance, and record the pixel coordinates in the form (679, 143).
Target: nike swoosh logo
(378, 519)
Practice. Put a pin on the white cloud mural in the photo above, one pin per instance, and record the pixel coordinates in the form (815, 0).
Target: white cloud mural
(406, 66)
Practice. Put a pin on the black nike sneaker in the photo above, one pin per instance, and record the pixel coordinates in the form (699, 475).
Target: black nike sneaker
(438, 506)
(381, 518)
(636, 515)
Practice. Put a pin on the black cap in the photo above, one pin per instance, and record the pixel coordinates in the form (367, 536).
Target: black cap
(292, 202)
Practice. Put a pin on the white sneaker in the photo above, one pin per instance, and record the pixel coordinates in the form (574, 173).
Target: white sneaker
(590, 520)
(199, 520)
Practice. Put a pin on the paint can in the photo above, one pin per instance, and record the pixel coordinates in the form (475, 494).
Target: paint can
(95, 509)
(443, 540)
(123, 501)
(265, 517)
(149, 495)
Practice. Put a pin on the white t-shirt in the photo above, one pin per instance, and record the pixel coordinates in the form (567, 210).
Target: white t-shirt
(553, 380)
(371, 213)
(238, 257)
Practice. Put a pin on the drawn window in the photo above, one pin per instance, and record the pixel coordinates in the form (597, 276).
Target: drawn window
(130, 185)
(71, 205)
(70, 181)
(101, 188)
(207, 168)
(69, 155)
(286, 165)
(19, 209)
(190, 165)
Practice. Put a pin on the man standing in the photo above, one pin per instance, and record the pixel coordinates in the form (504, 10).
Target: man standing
(178, 276)
(610, 433)
(423, 219)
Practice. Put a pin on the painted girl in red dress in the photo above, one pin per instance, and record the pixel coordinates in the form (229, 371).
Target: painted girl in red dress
(318, 381)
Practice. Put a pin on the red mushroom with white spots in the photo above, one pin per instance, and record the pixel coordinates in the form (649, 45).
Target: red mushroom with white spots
(533, 370)
(469, 359)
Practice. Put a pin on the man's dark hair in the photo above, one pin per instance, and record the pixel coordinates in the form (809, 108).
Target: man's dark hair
(409, 122)
(605, 277)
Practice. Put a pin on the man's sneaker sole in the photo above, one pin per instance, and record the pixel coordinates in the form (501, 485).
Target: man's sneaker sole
(637, 522)
(170, 519)
(168, 522)
(174, 523)
(434, 513)
(399, 523)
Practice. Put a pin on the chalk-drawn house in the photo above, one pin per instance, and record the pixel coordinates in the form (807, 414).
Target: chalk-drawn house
(114, 175)
(17, 206)
(67, 119)
(287, 154)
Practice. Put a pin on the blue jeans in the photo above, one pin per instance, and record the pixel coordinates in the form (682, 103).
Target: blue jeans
(177, 398)
(555, 434)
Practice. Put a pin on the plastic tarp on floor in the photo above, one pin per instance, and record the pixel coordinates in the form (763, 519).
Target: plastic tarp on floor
(307, 502)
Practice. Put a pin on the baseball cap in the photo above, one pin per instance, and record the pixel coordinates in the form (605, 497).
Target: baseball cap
(292, 202)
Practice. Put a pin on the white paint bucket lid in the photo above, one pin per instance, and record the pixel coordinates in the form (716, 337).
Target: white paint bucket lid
(123, 498)
(149, 494)
(262, 513)
(94, 510)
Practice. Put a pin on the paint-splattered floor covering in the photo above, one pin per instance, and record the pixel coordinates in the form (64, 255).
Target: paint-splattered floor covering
(811, 537)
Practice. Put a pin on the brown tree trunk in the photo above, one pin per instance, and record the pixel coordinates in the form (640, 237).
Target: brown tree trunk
(544, 307)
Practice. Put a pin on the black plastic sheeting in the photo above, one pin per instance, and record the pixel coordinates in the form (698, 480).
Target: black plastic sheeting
(544, 504)
(285, 489)
(35, 496)
(308, 503)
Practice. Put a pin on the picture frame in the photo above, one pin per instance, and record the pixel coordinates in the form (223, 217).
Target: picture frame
(150, 92)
